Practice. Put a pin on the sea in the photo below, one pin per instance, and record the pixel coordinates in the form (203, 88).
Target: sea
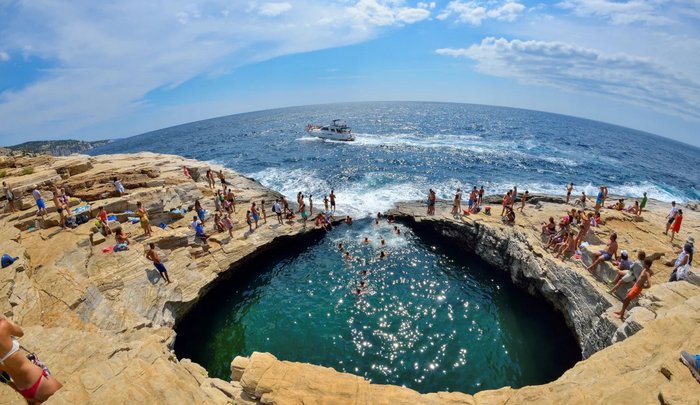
(402, 149)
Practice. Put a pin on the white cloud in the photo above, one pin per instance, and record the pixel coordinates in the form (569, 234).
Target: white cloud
(4, 56)
(584, 70)
(652, 12)
(475, 12)
(274, 9)
(388, 12)
(618, 12)
(108, 56)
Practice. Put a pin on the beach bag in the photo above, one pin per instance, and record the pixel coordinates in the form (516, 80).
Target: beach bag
(682, 272)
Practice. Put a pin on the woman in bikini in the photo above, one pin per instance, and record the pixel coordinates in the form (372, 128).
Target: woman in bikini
(143, 216)
(34, 383)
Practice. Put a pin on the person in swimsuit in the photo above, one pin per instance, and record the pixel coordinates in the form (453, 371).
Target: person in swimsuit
(600, 199)
(255, 216)
(222, 178)
(199, 210)
(143, 216)
(249, 221)
(481, 195)
(304, 215)
(549, 228)
(10, 195)
(228, 224)
(506, 203)
(186, 172)
(609, 253)
(210, 179)
(524, 198)
(584, 228)
(365, 241)
(153, 256)
(643, 281)
(121, 237)
(457, 203)
(332, 200)
(630, 274)
(581, 200)
(34, 383)
(311, 205)
(264, 213)
(325, 203)
(569, 189)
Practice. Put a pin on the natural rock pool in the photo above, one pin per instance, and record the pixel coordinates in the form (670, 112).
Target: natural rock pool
(431, 317)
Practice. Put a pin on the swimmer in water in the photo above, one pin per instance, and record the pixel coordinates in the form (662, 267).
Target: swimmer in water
(376, 221)
(382, 255)
(340, 246)
(397, 230)
(383, 242)
(347, 256)
(366, 241)
(363, 272)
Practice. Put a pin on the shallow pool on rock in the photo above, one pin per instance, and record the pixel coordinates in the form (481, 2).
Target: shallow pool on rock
(431, 318)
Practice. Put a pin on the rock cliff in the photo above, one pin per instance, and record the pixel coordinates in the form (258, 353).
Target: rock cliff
(104, 320)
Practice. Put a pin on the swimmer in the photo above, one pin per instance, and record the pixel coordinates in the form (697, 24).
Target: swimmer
(382, 255)
(340, 246)
(348, 220)
(376, 221)
(364, 272)
(366, 240)
(383, 242)
(347, 256)
(397, 230)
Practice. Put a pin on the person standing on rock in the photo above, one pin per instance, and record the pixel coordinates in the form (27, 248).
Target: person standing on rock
(600, 199)
(264, 213)
(332, 201)
(481, 195)
(254, 214)
(222, 178)
(583, 229)
(325, 203)
(40, 204)
(311, 205)
(506, 202)
(118, 186)
(10, 195)
(670, 217)
(153, 256)
(277, 209)
(569, 189)
(34, 382)
(642, 205)
(210, 179)
(643, 281)
(143, 219)
(457, 203)
(523, 198)
(676, 227)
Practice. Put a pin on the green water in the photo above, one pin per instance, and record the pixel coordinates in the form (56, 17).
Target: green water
(430, 317)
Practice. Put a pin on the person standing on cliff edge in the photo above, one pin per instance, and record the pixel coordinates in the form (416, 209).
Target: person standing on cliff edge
(569, 189)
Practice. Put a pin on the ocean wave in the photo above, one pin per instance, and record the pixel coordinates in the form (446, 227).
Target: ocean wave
(378, 192)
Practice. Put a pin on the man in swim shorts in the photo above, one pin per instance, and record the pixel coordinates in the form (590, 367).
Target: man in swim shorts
(609, 253)
(642, 283)
(569, 189)
(41, 205)
(152, 255)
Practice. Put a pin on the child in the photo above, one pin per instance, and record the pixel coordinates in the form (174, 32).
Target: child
(249, 221)
(642, 283)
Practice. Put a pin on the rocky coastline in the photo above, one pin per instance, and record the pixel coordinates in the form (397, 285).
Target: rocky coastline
(104, 321)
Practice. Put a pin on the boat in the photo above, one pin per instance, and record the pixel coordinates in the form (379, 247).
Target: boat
(338, 130)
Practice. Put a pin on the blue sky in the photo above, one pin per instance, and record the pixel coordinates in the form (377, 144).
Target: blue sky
(94, 70)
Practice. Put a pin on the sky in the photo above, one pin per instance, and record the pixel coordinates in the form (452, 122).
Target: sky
(92, 70)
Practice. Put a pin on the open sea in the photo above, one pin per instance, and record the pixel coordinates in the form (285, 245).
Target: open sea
(404, 148)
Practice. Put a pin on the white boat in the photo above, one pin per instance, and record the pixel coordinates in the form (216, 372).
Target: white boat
(338, 131)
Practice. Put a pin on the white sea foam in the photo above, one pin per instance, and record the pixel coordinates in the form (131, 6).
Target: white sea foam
(374, 194)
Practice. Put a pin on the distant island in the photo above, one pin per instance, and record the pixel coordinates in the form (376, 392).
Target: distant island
(56, 148)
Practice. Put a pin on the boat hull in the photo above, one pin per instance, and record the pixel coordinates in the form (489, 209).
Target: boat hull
(334, 136)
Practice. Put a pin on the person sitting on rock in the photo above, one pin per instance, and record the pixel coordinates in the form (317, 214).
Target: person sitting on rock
(643, 281)
(684, 259)
(121, 237)
(568, 248)
(549, 228)
(628, 275)
(34, 383)
(509, 217)
(581, 201)
(102, 217)
(609, 253)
